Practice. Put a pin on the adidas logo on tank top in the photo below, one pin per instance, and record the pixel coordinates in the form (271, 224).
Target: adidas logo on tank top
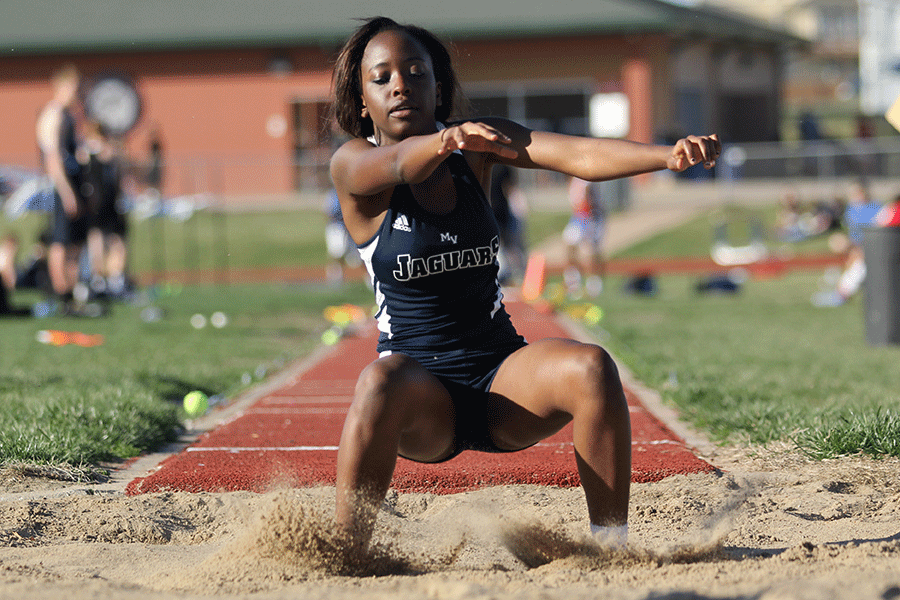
(402, 223)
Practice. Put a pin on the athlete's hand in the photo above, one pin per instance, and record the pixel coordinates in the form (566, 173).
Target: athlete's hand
(693, 150)
(476, 137)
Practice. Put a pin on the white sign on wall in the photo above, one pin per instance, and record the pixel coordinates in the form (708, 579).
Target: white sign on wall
(610, 115)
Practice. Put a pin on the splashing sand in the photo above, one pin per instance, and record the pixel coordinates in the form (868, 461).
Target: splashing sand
(773, 526)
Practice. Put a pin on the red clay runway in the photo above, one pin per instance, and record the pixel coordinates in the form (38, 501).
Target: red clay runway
(290, 437)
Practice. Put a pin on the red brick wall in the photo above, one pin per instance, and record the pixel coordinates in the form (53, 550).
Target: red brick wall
(213, 107)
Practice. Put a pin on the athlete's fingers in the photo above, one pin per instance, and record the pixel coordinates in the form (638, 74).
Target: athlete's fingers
(694, 149)
(473, 133)
(485, 131)
(680, 159)
(716, 143)
(710, 148)
(476, 137)
(709, 154)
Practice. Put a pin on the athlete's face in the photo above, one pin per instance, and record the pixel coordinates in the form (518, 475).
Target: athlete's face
(399, 91)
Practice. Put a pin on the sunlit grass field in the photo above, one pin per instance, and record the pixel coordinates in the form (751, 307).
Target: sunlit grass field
(755, 367)
(760, 365)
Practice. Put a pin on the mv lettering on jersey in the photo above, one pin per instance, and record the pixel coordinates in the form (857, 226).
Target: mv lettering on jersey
(446, 237)
(414, 268)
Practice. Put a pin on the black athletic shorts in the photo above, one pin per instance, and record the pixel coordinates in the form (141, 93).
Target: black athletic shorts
(110, 221)
(467, 375)
(66, 231)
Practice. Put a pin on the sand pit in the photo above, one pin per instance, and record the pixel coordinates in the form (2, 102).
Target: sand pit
(771, 525)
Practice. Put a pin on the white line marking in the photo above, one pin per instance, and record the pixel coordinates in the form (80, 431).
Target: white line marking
(323, 384)
(286, 399)
(659, 443)
(233, 450)
(291, 410)
(263, 449)
(633, 443)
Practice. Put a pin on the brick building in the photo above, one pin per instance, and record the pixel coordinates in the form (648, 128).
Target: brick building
(239, 90)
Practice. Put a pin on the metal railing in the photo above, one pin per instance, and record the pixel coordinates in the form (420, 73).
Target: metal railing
(873, 158)
(821, 164)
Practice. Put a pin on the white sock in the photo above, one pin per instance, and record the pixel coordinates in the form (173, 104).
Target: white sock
(615, 536)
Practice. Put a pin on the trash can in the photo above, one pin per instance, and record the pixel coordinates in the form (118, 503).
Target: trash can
(881, 246)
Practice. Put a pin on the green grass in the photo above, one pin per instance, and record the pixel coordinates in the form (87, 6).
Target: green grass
(760, 366)
(696, 237)
(211, 240)
(82, 406)
(229, 240)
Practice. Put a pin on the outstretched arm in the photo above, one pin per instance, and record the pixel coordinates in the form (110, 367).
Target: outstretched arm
(360, 169)
(364, 175)
(598, 159)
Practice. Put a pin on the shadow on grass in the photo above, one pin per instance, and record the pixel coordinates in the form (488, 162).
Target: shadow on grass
(170, 389)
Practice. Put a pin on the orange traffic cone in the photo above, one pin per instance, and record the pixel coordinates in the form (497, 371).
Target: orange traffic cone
(535, 273)
(54, 337)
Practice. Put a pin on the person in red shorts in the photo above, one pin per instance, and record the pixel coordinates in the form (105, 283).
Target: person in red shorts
(889, 215)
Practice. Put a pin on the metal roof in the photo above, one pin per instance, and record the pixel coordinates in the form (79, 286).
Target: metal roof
(41, 27)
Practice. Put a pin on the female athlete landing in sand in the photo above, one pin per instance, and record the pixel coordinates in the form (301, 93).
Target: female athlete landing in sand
(453, 374)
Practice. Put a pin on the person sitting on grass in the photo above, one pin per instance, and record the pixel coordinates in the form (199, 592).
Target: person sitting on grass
(860, 214)
(453, 374)
(33, 274)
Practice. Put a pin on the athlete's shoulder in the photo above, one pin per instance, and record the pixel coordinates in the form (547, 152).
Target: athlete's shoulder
(345, 158)
(350, 148)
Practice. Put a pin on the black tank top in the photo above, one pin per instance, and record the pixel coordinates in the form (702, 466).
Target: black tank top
(435, 276)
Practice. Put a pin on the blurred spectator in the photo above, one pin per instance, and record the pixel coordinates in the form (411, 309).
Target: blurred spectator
(810, 132)
(809, 127)
(789, 216)
(509, 206)
(861, 213)
(155, 163)
(33, 274)
(9, 247)
(58, 142)
(796, 223)
(107, 237)
(341, 249)
(889, 215)
(584, 235)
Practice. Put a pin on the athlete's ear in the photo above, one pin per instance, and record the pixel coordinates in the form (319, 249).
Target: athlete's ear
(365, 110)
(437, 87)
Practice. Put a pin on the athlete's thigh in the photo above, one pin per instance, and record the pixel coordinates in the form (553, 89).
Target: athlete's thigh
(425, 409)
(531, 395)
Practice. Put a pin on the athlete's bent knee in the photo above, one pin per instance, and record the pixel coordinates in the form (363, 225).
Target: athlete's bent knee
(384, 386)
(599, 377)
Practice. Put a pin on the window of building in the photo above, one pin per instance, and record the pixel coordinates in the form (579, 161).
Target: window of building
(838, 25)
(313, 145)
(563, 109)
